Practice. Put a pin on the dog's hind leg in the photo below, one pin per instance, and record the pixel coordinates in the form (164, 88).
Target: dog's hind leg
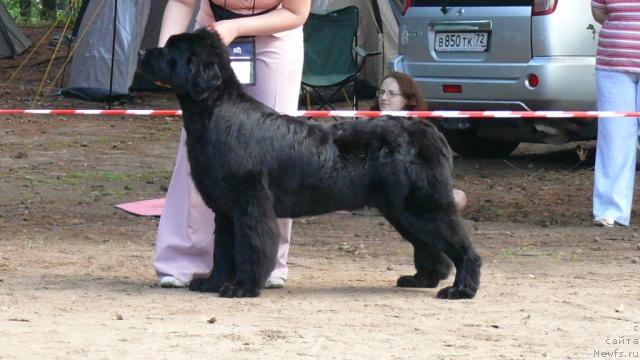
(431, 267)
(256, 245)
(223, 257)
(431, 264)
(431, 235)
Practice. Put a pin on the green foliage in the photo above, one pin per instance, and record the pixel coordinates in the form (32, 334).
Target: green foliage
(14, 8)
(37, 15)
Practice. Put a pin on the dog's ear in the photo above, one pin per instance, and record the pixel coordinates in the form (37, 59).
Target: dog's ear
(204, 78)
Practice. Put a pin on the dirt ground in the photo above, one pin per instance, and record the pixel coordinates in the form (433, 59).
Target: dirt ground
(77, 281)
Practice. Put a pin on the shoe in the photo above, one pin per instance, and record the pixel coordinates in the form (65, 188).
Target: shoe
(171, 282)
(603, 221)
(275, 283)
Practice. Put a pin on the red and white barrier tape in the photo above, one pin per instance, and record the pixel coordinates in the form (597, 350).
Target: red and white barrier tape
(347, 113)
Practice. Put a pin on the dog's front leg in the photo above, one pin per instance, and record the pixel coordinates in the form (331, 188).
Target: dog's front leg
(256, 246)
(224, 267)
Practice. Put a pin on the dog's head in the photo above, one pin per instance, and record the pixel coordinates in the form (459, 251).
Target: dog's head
(194, 64)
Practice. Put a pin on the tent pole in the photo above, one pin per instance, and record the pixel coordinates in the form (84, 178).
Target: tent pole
(113, 54)
(74, 36)
(378, 18)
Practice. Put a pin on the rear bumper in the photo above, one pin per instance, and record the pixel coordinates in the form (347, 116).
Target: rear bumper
(566, 83)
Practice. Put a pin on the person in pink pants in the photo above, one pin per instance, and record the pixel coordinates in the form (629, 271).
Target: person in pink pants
(184, 243)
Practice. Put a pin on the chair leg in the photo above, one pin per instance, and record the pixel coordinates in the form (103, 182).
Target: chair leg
(355, 94)
(323, 104)
(312, 93)
(346, 96)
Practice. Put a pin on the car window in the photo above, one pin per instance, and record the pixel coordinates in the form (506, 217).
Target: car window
(471, 3)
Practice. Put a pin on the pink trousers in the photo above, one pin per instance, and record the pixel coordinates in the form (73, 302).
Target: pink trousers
(184, 243)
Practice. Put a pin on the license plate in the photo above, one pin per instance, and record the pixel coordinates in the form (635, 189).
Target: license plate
(462, 41)
(453, 123)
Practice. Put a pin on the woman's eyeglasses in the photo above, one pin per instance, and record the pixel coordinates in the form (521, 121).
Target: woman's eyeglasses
(388, 92)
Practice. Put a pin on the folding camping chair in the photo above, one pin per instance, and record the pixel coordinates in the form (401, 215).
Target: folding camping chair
(332, 57)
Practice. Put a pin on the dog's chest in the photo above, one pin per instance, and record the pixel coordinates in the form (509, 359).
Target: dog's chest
(217, 171)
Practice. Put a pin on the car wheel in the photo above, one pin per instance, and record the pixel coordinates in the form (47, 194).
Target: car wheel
(466, 143)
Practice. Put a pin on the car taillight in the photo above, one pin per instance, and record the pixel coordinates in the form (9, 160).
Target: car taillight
(451, 89)
(407, 5)
(544, 7)
(533, 80)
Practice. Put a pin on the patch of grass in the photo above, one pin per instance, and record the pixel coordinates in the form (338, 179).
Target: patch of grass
(490, 210)
(53, 146)
(85, 200)
(163, 132)
(31, 188)
(570, 256)
(110, 183)
(519, 251)
(107, 140)
(76, 178)
(87, 187)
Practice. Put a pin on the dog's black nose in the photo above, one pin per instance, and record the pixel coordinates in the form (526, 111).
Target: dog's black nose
(141, 53)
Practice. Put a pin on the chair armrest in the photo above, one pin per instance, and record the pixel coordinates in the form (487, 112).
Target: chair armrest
(364, 53)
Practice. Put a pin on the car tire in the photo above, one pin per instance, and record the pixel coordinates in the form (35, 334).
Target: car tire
(466, 143)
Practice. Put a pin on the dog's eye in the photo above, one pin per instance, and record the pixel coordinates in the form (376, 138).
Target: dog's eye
(172, 63)
(189, 59)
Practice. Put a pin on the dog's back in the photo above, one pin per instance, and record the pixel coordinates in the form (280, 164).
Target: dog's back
(352, 164)
(393, 134)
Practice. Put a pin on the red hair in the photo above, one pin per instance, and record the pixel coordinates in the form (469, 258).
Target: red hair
(410, 91)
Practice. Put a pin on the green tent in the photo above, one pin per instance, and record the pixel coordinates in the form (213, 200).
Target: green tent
(12, 41)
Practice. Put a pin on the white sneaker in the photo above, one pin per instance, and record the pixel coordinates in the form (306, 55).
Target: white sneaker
(275, 283)
(603, 221)
(171, 282)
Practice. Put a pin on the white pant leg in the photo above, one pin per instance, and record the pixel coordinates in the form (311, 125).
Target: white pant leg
(278, 77)
(184, 243)
(616, 146)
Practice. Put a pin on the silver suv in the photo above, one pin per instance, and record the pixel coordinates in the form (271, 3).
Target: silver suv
(502, 55)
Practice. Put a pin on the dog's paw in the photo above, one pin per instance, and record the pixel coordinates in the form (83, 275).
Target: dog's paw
(455, 293)
(411, 281)
(204, 285)
(237, 291)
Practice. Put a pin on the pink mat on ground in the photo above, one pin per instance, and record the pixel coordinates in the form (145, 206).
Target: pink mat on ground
(143, 208)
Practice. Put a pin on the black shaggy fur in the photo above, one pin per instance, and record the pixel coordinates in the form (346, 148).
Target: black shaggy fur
(253, 165)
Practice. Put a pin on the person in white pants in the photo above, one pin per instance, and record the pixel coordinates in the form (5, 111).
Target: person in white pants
(617, 81)
(184, 243)
(616, 148)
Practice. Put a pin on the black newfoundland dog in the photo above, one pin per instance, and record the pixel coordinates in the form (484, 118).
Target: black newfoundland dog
(253, 165)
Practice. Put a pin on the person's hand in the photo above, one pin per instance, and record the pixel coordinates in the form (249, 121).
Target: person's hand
(226, 29)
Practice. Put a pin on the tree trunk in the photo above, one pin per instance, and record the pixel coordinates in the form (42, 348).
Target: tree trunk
(48, 10)
(25, 9)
